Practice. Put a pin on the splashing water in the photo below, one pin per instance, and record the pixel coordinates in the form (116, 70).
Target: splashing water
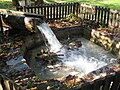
(82, 60)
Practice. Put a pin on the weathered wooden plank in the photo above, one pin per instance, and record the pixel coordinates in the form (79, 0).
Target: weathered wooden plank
(57, 12)
(31, 10)
(115, 15)
(54, 14)
(105, 14)
(48, 12)
(98, 20)
(24, 8)
(96, 13)
(111, 18)
(88, 14)
(84, 12)
(41, 10)
(77, 8)
(68, 10)
(60, 11)
(118, 20)
(108, 16)
(44, 11)
(19, 8)
(74, 5)
(35, 10)
(116, 25)
(65, 10)
(62, 7)
(50, 8)
(101, 19)
(38, 10)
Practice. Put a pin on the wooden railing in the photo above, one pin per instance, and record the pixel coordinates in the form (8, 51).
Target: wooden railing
(101, 15)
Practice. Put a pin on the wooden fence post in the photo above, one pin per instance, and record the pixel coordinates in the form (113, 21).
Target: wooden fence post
(108, 16)
(95, 13)
(77, 8)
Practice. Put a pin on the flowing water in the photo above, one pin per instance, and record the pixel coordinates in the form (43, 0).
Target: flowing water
(82, 60)
(53, 44)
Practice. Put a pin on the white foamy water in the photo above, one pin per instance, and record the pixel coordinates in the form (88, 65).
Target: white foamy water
(82, 59)
(76, 60)
(54, 44)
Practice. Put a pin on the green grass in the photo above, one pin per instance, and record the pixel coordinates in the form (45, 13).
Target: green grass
(6, 4)
(113, 4)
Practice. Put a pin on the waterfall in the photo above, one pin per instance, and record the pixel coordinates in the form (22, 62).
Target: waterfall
(54, 44)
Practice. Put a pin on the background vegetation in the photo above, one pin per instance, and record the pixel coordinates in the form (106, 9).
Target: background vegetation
(114, 4)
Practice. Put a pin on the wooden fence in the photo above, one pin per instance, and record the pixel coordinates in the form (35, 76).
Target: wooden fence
(52, 11)
(101, 15)
(98, 14)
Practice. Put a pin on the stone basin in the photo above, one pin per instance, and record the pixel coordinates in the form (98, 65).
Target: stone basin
(33, 43)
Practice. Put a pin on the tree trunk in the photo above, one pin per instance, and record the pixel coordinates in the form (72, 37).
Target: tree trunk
(15, 2)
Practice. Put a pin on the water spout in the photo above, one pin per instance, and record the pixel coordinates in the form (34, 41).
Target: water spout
(26, 22)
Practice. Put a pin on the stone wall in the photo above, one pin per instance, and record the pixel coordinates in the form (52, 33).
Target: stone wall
(109, 43)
